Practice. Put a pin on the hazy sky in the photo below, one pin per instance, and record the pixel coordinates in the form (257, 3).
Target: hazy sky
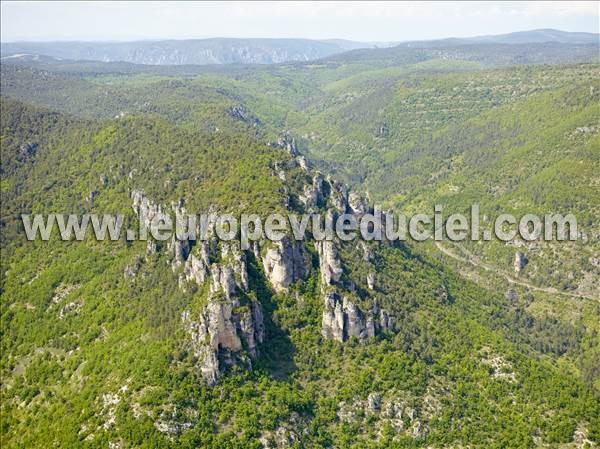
(368, 21)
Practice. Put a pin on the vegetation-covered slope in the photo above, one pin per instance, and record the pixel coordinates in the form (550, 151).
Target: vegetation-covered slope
(94, 355)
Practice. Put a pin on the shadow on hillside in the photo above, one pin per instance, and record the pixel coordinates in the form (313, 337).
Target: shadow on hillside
(276, 353)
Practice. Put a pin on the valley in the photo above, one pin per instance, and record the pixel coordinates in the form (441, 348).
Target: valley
(309, 344)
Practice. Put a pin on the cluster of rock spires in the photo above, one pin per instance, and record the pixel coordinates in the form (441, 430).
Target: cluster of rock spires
(230, 326)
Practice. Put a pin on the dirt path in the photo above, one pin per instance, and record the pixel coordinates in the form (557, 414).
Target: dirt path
(507, 277)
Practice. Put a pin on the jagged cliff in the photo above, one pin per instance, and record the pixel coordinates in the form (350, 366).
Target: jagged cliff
(230, 326)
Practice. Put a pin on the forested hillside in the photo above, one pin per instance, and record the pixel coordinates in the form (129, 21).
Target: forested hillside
(114, 343)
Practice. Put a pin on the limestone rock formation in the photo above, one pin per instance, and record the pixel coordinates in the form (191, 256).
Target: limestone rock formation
(221, 332)
(144, 208)
(520, 262)
(330, 265)
(357, 204)
(285, 262)
(342, 319)
(313, 196)
(371, 281)
(288, 142)
(338, 195)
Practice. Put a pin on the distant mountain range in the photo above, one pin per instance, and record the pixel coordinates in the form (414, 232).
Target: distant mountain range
(520, 37)
(253, 51)
(182, 52)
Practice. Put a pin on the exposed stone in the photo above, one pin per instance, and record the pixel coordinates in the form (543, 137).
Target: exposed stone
(70, 308)
(151, 247)
(196, 270)
(330, 265)
(312, 196)
(371, 281)
(302, 162)
(144, 208)
(132, 269)
(287, 435)
(520, 262)
(91, 196)
(180, 249)
(338, 195)
(240, 113)
(27, 150)
(285, 262)
(288, 142)
(220, 329)
(170, 425)
(333, 318)
(222, 279)
(343, 319)
(500, 368)
(368, 255)
(358, 205)
(223, 325)
(374, 402)
(62, 291)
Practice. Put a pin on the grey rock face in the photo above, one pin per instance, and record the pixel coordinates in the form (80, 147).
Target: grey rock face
(338, 195)
(357, 204)
(151, 247)
(288, 142)
(220, 329)
(240, 113)
(144, 208)
(312, 196)
(330, 265)
(225, 329)
(285, 262)
(371, 281)
(374, 402)
(342, 320)
(302, 162)
(196, 269)
(27, 150)
(131, 270)
(520, 262)
(189, 51)
(181, 251)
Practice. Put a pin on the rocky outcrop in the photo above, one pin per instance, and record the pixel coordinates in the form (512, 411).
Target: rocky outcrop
(239, 112)
(222, 331)
(230, 326)
(392, 413)
(313, 196)
(357, 204)
(303, 163)
(131, 270)
(338, 195)
(27, 150)
(285, 262)
(144, 208)
(180, 251)
(288, 142)
(520, 262)
(330, 265)
(343, 320)
(371, 281)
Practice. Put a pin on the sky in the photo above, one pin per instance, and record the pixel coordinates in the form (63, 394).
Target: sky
(360, 21)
